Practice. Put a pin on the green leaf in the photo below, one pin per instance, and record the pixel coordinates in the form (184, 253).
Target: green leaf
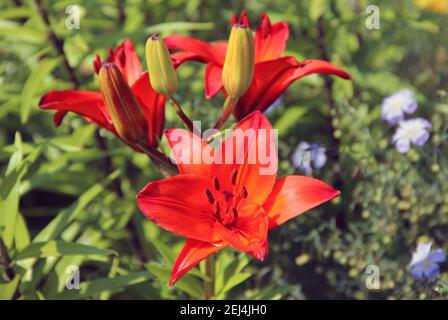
(9, 206)
(8, 289)
(15, 32)
(289, 119)
(90, 288)
(317, 8)
(55, 248)
(234, 281)
(42, 70)
(66, 216)
(21, 234)
(176, 26)
(9, 209)
(188, 284)
(18, 172)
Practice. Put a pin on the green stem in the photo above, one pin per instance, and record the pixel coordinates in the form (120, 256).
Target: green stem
(160, 160)
(209, 284)
(181, 113)
(230, 105)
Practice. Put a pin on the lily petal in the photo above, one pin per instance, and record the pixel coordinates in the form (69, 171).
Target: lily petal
(153, 105)
(192, 253)
(250, 231)
(86, 103)
(124, 57)
(251, 154)
(270, 39)
(204, 51)
(213, 80)
(179, 204)
(190, 152)
(293, 195)
(272, 78)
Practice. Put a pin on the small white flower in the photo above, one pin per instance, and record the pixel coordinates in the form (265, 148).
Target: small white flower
(308, 157)
(414, 131)
(396, 105)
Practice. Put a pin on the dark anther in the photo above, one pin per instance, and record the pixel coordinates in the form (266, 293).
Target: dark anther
(227, 195)
(235, 214)
(217, 210)
(209, 196)
(233, 176)
(245, 194)
(216, 183)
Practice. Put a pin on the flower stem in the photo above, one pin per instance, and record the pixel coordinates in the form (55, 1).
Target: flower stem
(57, 43)
(181, 113)
(209, 284)
(160, 160)
(229, 106)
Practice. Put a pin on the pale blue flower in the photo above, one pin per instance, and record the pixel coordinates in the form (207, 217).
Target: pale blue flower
(425, 262)
(396, 105)
(276, 104)
(414, 131)
(308, 157)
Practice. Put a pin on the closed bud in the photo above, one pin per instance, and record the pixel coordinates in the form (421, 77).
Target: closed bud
(127, 115)
(163, 76)
(238, 70)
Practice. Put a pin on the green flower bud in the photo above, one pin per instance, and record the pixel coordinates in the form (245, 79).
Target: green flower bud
(163, 77)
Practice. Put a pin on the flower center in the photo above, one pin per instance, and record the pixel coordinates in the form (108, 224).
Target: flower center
(225, 203)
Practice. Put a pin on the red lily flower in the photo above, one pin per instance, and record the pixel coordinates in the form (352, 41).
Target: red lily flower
(214, 203)
(90, 104)
(273, 74)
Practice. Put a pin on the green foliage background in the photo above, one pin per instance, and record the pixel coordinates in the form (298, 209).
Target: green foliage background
(60, 203)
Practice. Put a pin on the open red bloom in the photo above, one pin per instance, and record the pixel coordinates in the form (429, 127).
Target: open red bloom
(90, 104)
(273, 74)
(228, 196)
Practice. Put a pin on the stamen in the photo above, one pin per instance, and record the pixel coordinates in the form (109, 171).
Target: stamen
(245, 194)
(233, 176)
(216, 183)
(217, 210)
(210, 196)
(235, 214)
(227, 195)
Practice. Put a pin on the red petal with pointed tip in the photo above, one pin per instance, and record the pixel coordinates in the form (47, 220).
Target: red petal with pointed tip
(86, 103)
(191, 254)
(179, 204)
(124, 57)
(190, 152)
(270, 39)
(293, 195)
(203, 50)
(272, 78)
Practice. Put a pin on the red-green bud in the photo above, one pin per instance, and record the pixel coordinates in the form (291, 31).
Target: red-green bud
(163, 77)
(127, 115)
(238, 70)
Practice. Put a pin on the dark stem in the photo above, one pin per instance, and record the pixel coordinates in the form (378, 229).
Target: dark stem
(328, 81)
(341, 218)
(209, 284)
(57, 43)
(160, 160)
(121, 12)
(230, 105)
(176, 106)
(5, 261)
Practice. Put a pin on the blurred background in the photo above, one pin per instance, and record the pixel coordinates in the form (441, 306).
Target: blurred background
(73, 188)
